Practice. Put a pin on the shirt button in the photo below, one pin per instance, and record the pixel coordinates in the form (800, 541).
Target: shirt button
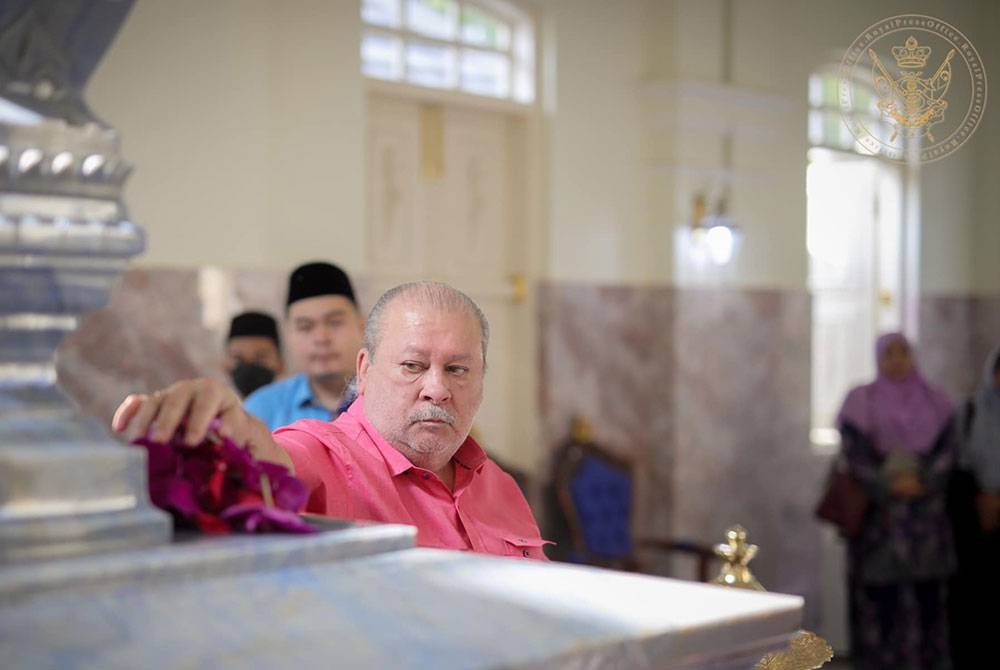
(526, 553)
(427, 475)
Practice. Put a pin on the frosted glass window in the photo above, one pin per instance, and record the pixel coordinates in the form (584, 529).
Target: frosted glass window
(827, 129)
(826, 125)
(524, 85)
(816, 90)
(381, 12)
(865, 101)
(524, 70)
(431, 65)
(485, 73)
(483, 30)
(854, 223)
(524, 45)
(831, 92)
(382, 56)
(815, 126)
(478, 47)
(434, 18)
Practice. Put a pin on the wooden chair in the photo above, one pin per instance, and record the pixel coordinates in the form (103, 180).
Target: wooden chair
(594, 494)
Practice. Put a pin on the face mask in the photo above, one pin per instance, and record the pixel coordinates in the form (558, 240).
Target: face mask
(248, 377)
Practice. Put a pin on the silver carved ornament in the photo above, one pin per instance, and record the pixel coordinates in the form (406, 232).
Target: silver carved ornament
(66, 488)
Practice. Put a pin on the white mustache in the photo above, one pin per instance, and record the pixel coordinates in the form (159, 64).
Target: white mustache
(432, 413)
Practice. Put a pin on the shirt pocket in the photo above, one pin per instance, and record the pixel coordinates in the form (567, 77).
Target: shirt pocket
(525, 547)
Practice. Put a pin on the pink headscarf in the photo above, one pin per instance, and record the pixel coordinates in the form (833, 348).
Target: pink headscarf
(908, 414)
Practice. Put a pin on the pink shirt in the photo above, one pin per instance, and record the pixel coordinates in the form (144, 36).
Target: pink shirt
(353, 473)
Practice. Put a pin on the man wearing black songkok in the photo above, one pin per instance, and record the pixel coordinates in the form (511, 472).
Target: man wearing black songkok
(323, 331)
(253, 351)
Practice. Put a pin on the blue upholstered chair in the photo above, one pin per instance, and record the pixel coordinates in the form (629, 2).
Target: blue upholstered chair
(595, 493)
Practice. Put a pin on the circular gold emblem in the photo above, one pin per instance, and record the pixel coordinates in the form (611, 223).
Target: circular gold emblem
(912, 87)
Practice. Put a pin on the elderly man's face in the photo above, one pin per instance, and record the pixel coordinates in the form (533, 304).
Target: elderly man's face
(424, 384)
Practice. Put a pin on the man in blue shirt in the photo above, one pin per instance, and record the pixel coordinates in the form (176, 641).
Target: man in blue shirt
(324, 329)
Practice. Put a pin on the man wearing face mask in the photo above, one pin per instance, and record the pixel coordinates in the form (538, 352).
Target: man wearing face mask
(323, 330)
(253, 351)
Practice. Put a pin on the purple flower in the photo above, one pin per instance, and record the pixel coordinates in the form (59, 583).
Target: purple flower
(256, 518)
(219, 487)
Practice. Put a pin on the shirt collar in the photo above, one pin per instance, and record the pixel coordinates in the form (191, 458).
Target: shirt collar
(470, 455)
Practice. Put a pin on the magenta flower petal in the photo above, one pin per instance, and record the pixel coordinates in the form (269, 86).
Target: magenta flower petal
(180, 496)
(254, 517)
(208, 486)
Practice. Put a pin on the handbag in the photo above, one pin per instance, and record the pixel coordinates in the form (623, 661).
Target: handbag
(844, 502)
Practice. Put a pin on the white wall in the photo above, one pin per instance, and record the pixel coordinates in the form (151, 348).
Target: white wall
(779, 42)
(986, 201)
(947, 230)
(597, 156)
(598, 212)
(244, 120)
(776, 45)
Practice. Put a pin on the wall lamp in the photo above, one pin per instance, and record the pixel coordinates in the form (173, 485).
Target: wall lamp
(714, 235)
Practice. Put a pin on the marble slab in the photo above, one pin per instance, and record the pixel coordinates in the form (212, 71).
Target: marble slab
(411, 608)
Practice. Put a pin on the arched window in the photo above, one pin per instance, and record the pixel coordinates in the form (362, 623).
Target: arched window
(854, 218)
(479, 47)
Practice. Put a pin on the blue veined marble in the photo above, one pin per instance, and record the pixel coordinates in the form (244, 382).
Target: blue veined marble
(357, 599)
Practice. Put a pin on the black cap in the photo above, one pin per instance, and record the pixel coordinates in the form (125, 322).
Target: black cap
(315, 279)
(249, 324)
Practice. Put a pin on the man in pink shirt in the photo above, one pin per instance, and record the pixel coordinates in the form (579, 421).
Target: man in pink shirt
(402, 452)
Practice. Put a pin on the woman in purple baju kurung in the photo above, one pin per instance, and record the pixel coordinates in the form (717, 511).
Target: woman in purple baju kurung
(898, 441)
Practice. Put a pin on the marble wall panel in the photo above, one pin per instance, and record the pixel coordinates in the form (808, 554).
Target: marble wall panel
(160, 325)
(742, 448)
(709, 391)
(607, 355)
(957, 333)
(985, 334)
(944, 350)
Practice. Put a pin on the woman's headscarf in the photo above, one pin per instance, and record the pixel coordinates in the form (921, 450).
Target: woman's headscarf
(983, 444)
(908, 414)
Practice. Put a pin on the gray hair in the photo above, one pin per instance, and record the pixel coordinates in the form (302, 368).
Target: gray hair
(434, 294)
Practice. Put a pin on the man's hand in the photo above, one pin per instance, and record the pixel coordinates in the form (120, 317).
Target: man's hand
(195, 403)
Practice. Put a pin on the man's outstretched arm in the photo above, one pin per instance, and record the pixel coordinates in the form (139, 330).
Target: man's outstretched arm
(194, 404)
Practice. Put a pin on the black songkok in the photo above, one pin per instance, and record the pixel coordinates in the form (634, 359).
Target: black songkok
(250, 324)
(315, 279)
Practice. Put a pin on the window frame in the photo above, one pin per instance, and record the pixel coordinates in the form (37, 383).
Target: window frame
(516, 19)
(827, 75)
(825, 438)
